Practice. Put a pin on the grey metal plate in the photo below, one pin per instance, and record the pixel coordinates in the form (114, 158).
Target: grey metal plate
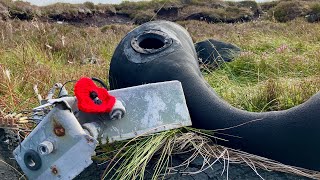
(72, 151)
(150, 108)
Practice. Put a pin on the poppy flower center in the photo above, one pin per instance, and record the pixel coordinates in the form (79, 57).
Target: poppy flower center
(95, 98)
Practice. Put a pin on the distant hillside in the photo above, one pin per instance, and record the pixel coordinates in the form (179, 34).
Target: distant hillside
(212, 11)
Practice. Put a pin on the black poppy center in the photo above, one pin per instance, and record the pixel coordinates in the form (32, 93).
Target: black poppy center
(95, 98)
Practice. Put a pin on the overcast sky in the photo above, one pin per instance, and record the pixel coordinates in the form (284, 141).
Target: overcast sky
(47, 2)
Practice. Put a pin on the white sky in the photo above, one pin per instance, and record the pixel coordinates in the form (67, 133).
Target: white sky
(47, 2)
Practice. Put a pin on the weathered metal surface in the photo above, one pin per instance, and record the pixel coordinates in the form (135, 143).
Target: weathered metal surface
(150, 108)
(58, 148)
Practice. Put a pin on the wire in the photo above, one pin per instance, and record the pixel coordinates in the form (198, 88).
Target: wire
(93, 78)
(100, 81)
(64, 85)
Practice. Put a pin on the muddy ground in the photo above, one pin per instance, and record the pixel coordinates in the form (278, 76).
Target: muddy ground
(7, 172)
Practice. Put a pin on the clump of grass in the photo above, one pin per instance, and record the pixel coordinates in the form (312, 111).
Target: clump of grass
(287, 10)
(271, 53)
(37, 53)
(136, 156)
(133, 158)
(8, 91)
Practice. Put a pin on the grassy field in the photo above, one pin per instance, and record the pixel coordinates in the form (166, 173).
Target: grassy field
(278, 68)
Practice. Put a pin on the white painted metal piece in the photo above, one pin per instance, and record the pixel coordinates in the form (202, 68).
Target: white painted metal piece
(72, 151)
(150, 108)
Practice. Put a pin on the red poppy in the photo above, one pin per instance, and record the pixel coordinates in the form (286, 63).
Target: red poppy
(91, 98)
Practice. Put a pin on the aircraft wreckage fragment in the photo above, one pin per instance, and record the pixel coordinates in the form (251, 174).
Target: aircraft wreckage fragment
(157, 52)
(61, 145)
(162, 51)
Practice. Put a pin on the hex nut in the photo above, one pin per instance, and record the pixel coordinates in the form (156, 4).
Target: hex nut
(45, 148)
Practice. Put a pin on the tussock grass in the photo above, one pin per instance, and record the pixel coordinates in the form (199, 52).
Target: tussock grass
(287, 10)
(136, 154)
(279, 68)
(40, 53)
(133, 158)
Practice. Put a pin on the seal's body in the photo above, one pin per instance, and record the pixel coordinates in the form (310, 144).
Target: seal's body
(162, 51)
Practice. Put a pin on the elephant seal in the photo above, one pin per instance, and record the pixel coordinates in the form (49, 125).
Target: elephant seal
(162, 51)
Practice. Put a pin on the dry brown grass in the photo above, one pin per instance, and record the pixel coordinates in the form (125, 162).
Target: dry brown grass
(278, 69)
(132, 159)
(43, 54)
(286, 54)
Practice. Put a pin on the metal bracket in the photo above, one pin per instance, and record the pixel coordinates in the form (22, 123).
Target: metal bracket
(150, 108)
(58, 148)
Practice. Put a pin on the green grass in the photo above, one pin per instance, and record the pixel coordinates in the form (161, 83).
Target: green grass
(279, 67)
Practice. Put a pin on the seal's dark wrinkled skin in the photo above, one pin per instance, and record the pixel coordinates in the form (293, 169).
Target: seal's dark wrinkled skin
(290, 136)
